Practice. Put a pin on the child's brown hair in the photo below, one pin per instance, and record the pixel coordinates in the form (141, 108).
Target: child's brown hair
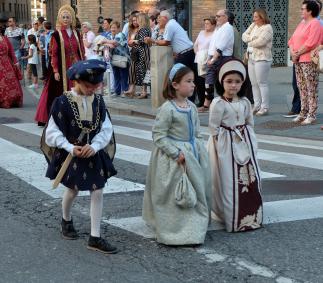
(169, 92)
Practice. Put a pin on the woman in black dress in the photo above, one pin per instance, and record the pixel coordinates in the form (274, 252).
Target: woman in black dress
(142, 53)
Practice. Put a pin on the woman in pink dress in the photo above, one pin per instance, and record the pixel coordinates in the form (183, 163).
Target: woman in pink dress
(10, 89)
(65, 48)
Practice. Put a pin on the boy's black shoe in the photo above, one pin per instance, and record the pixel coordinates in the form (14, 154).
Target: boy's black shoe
(68, 231)
(101, 245)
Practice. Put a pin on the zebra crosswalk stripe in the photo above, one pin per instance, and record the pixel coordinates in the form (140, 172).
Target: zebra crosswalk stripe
(124, 152)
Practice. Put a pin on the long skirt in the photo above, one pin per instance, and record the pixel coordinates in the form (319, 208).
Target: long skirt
(236, 189)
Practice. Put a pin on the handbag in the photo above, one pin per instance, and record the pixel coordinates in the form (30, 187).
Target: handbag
(17, 71)
(240, 149)
(185, 195)
(119, 61)
(315, 57)
(201, 59)
(147, 78)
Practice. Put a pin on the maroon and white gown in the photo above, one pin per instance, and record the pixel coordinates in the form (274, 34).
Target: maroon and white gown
(236, 188)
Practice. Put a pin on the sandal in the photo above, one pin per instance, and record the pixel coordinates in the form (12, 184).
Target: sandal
(129, 94)
(142, 96)
(203, 109)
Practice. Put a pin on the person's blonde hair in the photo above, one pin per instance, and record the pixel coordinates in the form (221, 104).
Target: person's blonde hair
(143, 20)
(70, 10)
(263, 15)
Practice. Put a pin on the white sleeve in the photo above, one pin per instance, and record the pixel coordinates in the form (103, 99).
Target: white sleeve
(55, 138)
(102, 139)
(225, 38)
(91, 38)
(169, 32)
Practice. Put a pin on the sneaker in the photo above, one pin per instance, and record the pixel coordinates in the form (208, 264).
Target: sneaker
(262, 112)
(101, 245)
(31, 86)
(308, 121)
(298, 119)
(255, 110)
(68, 231)
(290, 114)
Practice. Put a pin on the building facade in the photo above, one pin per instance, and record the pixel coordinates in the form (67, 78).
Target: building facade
(20, 9)
(38, 8)
(284, 14)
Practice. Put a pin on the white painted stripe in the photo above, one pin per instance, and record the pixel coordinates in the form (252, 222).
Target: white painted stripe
(147, 135)
(31, 167)
(124, 152)
(284, 141)
(132, 132)
(295, 159)
(293, 210)
(274, 212)
(289, 141)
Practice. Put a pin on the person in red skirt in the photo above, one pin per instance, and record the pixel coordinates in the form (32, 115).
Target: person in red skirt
(10, 90)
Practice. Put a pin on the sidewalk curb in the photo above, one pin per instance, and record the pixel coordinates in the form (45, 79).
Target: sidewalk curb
(128, 109)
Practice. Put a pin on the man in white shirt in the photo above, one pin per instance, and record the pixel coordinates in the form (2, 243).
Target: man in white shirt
(34, 30)
(176, 37)
(220, 49)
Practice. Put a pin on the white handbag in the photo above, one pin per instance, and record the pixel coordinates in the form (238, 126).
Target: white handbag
(240, 148)
(185, 195)
(119, 61)
(201, 59)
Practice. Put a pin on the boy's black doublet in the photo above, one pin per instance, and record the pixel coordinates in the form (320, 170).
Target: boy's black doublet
(83, 173)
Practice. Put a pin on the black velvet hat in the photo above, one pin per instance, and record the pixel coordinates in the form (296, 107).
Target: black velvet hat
(91, 71)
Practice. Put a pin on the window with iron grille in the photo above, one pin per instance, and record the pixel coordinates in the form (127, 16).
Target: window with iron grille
(277, 11)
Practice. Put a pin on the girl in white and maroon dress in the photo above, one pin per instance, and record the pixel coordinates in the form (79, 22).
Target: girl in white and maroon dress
(235, 172)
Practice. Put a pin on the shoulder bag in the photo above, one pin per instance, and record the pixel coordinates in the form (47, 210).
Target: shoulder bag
(119, 61)
(240, 148)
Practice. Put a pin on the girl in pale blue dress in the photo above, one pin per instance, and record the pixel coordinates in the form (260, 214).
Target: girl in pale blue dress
(178, 144)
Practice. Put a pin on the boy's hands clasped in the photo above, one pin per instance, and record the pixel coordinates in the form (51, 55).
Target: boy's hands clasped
(85, 151)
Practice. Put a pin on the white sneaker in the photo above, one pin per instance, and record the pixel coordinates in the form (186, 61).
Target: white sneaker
(308, 121)
(298, 119)
(31, 86)
(255, 110)
(262, 112)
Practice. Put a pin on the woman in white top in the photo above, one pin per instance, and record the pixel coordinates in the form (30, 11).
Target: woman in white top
(259, 37)
(201, 47)
(88, 38)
